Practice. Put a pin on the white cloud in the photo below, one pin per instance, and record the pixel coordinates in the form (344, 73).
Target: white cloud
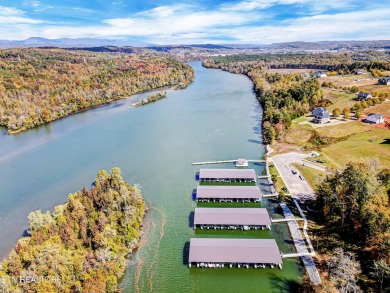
(183, 23)
(362, 25)
(259, 4)
(313, 5)
(10, 11)
(9, 15)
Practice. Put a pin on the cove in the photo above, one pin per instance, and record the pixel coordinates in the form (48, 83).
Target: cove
(216, 118)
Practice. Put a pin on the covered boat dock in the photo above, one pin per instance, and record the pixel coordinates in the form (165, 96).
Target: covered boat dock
(232, 218)
(227, 175)
(218, 252)
(227, 193)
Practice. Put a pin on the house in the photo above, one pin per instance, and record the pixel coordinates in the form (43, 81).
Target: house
(360, 71)
(321, 115)
(384, 80)
(374, 118)
(319, 74)
(363, 96)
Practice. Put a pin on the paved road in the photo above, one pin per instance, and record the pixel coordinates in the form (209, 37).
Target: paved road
(299, 188)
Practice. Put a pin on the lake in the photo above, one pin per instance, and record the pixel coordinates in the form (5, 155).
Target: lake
(216, 118)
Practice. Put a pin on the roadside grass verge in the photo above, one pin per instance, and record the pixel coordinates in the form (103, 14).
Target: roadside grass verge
(312, 176)
(279, 184)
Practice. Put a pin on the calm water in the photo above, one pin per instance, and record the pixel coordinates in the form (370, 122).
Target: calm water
(215, 118)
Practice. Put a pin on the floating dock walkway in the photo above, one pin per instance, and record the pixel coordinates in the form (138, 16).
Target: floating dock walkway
(300, 246)
(239, 162)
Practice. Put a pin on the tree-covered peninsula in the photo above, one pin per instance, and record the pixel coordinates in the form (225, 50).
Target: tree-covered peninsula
(38, 86)
(82, 245)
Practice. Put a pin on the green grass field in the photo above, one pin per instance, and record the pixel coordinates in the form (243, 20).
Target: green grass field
(344, 129)
(359, 148)
(340, 99)
(312, 176)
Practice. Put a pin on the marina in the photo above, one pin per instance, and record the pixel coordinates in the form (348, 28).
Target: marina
(124, 136)
(228, 175)
(232, 218)
(216, 253)
(222, 193)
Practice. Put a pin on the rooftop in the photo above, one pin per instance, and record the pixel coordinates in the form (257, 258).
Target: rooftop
(228, 173)
(226, 191)
(221, 250)
(232, 216)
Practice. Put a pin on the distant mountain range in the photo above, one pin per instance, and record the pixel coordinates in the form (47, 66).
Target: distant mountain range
(290, 46)
(70, 43)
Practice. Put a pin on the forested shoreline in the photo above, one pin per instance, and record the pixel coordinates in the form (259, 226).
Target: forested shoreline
(82, 246)
(38, 86)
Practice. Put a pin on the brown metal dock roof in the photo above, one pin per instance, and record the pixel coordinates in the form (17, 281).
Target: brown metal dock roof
(232, 216)
(227, 173)
(226, 191)
(222, 250)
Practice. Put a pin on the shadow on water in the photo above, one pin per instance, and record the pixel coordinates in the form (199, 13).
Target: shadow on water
(186, 253)
(282, 285)
(257, 130)
(191, 219)
(255, 141)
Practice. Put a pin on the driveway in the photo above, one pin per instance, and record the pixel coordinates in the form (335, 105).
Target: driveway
(299, 188)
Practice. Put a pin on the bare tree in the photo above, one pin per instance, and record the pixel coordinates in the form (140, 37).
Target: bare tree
(344, 270)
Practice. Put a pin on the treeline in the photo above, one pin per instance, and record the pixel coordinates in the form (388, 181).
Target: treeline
(342, 63)
(82, 245)
(354, 205)
(41, 85)
(151, 98)
(283, 96)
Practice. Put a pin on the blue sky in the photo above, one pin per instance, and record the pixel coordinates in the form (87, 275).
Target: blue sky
(174, 22)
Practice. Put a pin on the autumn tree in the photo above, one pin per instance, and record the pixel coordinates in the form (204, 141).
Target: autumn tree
(344, 271)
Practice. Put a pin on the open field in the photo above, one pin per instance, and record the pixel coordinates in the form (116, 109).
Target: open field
(339, 98)
(312, 176)
(376, 88)
(350, 80)
(299, 133)
(338, 131)
(362, 141)
(383, 109)
(374, 143)
(290, 71)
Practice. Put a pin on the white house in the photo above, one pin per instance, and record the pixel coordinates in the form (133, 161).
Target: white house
(319, 74)
(375, 119)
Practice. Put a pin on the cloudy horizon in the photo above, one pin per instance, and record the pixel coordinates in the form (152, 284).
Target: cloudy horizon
(186, 22)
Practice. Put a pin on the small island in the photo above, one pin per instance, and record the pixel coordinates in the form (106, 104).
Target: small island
(82, 246)
(151, 98)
